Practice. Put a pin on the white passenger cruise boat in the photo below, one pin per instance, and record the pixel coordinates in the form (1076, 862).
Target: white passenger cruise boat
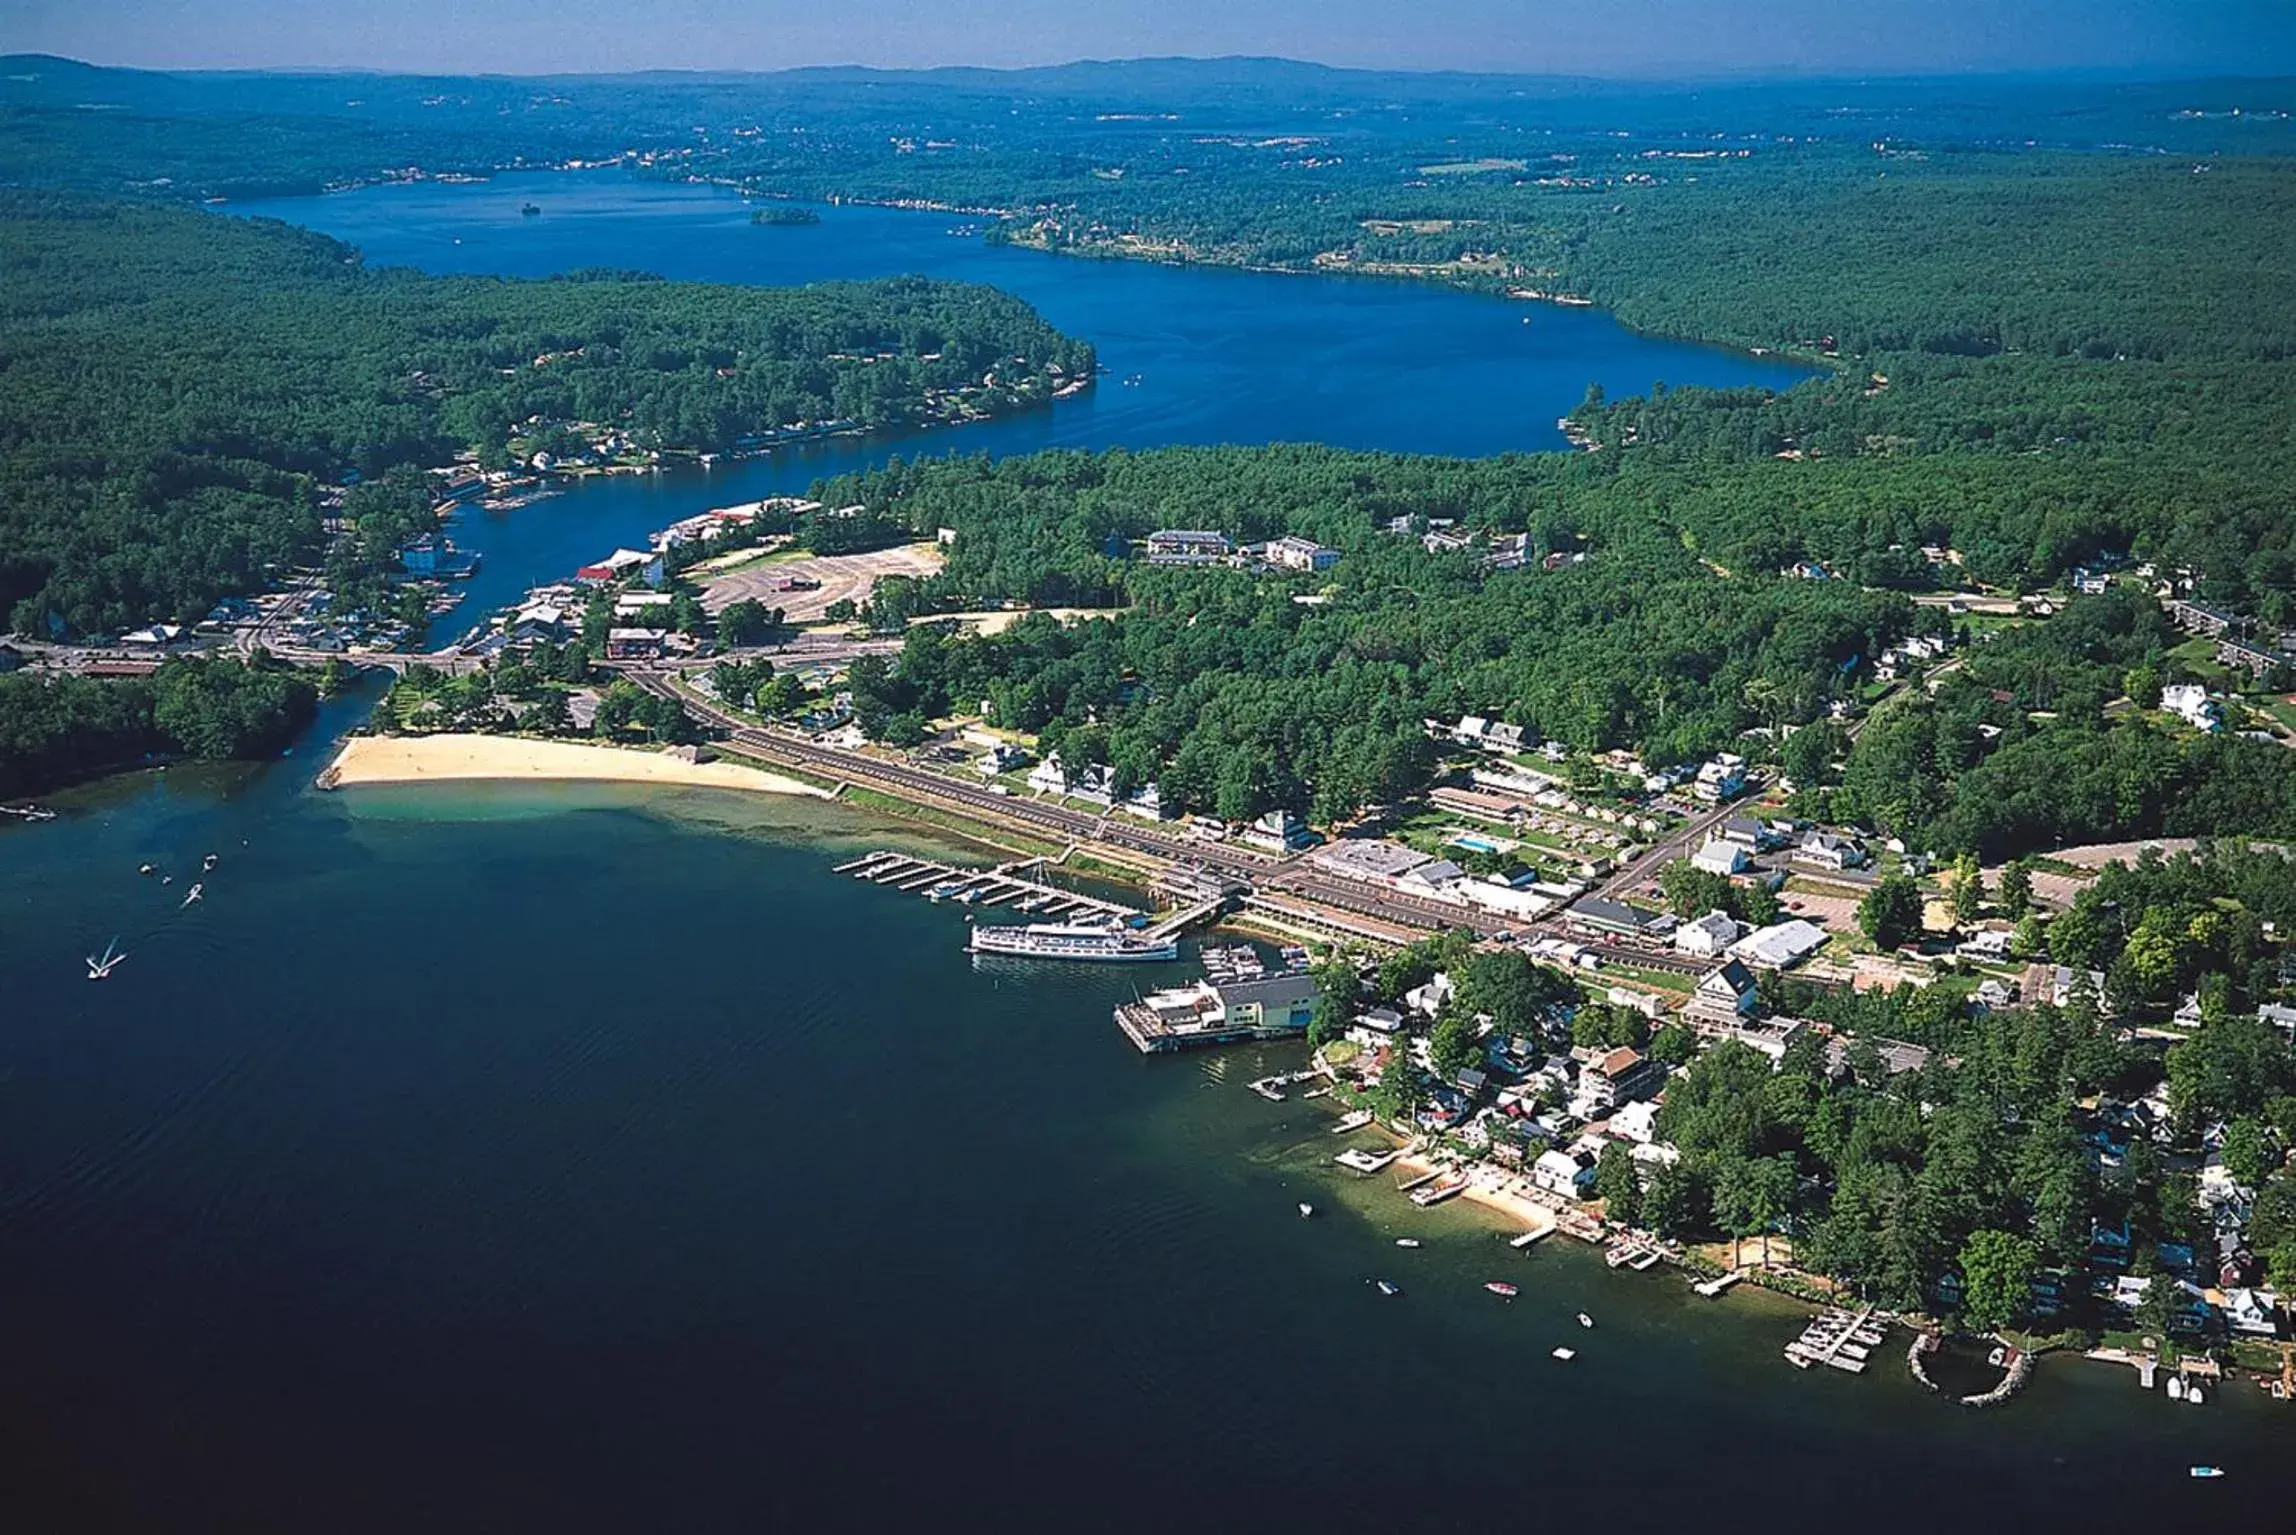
(1060, 940)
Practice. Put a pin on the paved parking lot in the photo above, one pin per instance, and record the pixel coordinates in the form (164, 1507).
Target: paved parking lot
(843, 577)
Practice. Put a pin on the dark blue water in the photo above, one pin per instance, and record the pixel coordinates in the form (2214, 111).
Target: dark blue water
(576, 1159)
(1221, 356)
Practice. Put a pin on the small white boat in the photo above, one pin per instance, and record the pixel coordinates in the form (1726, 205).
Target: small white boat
(1406, 1241)
(1501, 1289)
(1584, 1320)
(1566, 1354)
(1305, 1210)
(2176, 1388)
(210, 861)
(1388, 1287)
(99, 969)
(2208, 1472)
(193, 894)
(146, 869)
(2192, 1396)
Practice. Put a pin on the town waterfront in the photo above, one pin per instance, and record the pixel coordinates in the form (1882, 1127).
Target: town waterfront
(588, 1157)
(524, 1158)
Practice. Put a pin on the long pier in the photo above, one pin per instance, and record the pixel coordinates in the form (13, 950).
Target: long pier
(984, 887)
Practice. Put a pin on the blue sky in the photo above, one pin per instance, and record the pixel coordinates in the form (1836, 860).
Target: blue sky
(1598, 37)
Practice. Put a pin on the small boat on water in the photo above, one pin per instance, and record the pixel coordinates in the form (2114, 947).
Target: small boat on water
(98, 969)
(1388, 1287)
(2176, 1388)
(1566, 1354)
(2208, 1472)
(146, 869)
(1584, 1320)
(1406, 1241)
(1502, 1289)
(194, 893)
(1305, 1210)
(210, 860)
(2192, 1396)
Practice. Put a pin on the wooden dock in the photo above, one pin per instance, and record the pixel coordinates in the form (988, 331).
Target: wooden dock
(1837, 1339)
(985, 887)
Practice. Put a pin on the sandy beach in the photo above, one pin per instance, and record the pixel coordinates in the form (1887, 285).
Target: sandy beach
(1493, 1189)
(467, 758)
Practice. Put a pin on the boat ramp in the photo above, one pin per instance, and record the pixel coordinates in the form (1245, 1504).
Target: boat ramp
(1838, 1338)
(984, 887)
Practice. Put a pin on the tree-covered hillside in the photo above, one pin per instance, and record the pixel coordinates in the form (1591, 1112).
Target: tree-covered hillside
(174, 379)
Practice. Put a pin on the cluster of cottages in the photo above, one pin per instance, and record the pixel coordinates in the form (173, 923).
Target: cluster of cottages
(1721, 777)
(1278, 831)
(1201, 546)
(1576, 1100)
(2218, 1285)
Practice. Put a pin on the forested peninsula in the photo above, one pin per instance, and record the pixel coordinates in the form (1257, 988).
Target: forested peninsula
(179, 383)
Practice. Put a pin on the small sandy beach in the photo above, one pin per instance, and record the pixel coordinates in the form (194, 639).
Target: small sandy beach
(470, 758)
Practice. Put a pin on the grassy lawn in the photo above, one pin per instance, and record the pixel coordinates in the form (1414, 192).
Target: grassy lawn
(1656, 980)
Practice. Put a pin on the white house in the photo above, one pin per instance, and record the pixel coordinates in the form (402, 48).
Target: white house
(1561, 1173)
(2189, 701)
(1719, 857)
(1722, 778)
(1429, 998)
(1637, 1122)
(1823, 850)
(1095, 784)
(1725, 993)
(1707, 936)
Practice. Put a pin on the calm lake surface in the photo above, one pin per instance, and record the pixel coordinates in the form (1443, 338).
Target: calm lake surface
(1221, 356)
(532, 1159)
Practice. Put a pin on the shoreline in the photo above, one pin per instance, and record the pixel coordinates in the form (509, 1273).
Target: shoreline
(461, 758)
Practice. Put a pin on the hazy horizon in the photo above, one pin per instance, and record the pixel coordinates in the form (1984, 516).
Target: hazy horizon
(1626, 40)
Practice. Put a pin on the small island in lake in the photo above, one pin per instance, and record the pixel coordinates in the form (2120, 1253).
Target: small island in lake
(784, 218)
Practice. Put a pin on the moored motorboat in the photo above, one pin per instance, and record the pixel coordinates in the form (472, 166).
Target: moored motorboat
(1502, 1289)
(2208, 1471)
(1406, 1241)
(1388, 1287)
(1305, 1210)
(1584, 1320)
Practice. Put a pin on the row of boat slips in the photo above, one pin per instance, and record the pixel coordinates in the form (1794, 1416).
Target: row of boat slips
(1840, 1339)
(981, 887)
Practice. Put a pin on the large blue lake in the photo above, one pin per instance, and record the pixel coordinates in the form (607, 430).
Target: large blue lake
(1220, 356)
(565, 1160)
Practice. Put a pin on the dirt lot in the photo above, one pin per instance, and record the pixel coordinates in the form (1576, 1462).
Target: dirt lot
(846, 577)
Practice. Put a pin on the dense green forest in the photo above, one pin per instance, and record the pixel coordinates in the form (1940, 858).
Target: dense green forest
(176, 382)
(1234, 696)
(56, 729)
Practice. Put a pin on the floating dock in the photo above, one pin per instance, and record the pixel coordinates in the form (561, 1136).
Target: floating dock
(988, 887)
(1357, 1160)
(1837, 1339)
